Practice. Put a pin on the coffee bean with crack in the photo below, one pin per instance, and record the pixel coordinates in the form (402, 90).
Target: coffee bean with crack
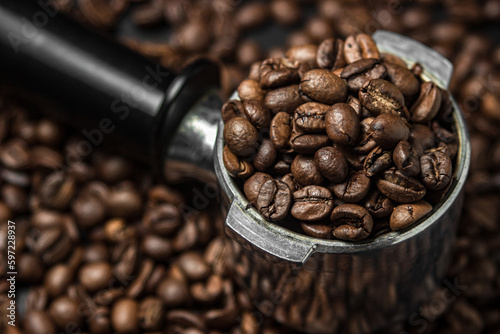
(399, 187)
(436, 169)
(389, 129)
(351, 222)
(274, 200)
(380, 96)
(310, 117)
(358, 73)
(427, 105)
(312, 203)
(354, 188)
(378, 160)
(406, 158)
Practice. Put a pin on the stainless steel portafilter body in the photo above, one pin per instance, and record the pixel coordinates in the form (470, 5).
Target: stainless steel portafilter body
(326, 285)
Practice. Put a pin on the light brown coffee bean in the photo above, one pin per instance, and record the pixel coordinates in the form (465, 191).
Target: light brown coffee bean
(405, 215)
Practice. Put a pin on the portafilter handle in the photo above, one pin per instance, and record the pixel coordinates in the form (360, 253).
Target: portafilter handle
(244, 223)
(112, 93)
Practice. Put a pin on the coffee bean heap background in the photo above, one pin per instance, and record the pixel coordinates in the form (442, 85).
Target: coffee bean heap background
(37, 158)
(336, 137)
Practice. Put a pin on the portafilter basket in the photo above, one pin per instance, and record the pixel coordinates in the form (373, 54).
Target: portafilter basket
(325, 286)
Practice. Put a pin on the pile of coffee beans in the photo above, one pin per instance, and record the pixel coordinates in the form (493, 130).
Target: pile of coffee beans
(466, 302)
(339, 138)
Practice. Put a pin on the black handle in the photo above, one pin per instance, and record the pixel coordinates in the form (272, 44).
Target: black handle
(114, 94)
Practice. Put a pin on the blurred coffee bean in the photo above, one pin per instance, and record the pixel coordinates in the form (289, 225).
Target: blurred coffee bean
(95, 276)
(285, 12)
(124, 316)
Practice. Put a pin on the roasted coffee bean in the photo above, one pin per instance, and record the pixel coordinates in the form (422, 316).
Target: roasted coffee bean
(209, 292)
(257, 113)
(403, 79)
(30, 268)
(281, 130)
(88, 210)
(332, 164)
(124, 201)
(193, 266)
(380, 96)
(353, 189)
(57, 279)
(405, 215)
(52, 245)
(330, 54)
(65, 311)
(253, 184)
(351, 222)
(150, 314)
(317, 229)
(95, 276)
(283, 99)
(312, 203)
(389, 129)
(305, 171)
(342, 124)
(240, 136)
(124, 316)
(232, 109)
(323, 86)
(307, 143)
(399, 187)
(57, 190)
(436, 169)
(38, 322)
(290, 182)
(252, 15)
(443, 135)
(378, 205)
(15, 154)
(304, 54)
(249, 90)
(427, 105)
(248, 52)
(274, 200)
(191, 37)
(114, 169)
(406, 158)
(378, 160)
(360, 46)
(265, 156)
(156, 247)
(278, 72)
(310, 117)
(173, 292)
(318, 28)
(362, 71)
(163, 219)
(236, 166)
(285, 12)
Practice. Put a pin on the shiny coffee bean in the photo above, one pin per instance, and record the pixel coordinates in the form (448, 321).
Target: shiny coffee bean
(64, 311)
(281, 130)
(265, 156)
(95, 276)
(124, 316)
(427, 105)
(274, 200)
(389, 129)
(378, 205)
(330, 54)
(249, 90)
(38, 322)
(317, 229)
(399, 187)
(285, 12)
(342, 124)
(283, 99)
(323, 86)
(351, 222)
(403, 79)
(15, 154)
(380, 96)
(252, 186)
(235, 165)
(150, 314)
(240, 136)
(232, 109)
(310, 117)
(405, 215)
(57, 190)
(406, 158)
(173, 292)
(305, 171)
(362, 71)
(278, 72)
(312, 203)
(354, 188)
(436, 169)
(421, 138)
(307, 143)
(365, 142)
(124, 201)
(332, 164)
(360, 46)
(57, 279)
(257, 113)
